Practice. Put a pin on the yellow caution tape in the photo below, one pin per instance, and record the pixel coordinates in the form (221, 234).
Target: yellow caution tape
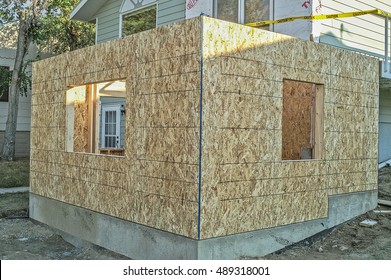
(320, 17)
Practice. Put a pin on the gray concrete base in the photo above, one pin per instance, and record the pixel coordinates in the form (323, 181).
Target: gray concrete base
(14, 190)
(141, 242)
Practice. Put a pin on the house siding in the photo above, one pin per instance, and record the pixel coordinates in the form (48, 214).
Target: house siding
(22, 143)
(108, 21)
(24, 113)
(384, 125)
(7, 58)
(364, 33)
(169, 11)
(289, 8)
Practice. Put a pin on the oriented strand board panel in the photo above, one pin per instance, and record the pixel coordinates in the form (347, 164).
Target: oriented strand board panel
(297, 114)
(81, 131)
(155, 183)
(237, 95)
(247, 184)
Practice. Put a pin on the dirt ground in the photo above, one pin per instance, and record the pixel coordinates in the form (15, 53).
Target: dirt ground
(23, 238)
(350, 241)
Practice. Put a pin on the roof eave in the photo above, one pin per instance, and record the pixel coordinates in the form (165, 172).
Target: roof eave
(86, 10)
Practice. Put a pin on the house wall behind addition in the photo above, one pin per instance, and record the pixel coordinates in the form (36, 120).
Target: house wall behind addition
(363, 33)
(288, 8)
(156, 182)
(169, 11)
(22, 145)
(246, 184)
(108, 21)
(7, 58)
(384, 125)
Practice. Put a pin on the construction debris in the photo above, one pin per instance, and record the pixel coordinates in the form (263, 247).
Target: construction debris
(384, 202)
(382, 211)
(368, 223)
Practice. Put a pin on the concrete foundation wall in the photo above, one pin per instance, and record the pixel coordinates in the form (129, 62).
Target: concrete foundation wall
(140, 242)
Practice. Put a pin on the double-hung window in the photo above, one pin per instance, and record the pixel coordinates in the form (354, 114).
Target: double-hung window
(137, 16)
(243, 11)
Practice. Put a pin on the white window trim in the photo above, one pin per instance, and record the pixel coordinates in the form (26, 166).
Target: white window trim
(121, 15)
(96, 31)
(116, 108)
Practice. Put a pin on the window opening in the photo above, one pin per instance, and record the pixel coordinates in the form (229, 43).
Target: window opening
(96, 118)
(4, 83)
(302, 120)
(227, 10)
(256, 10)
(243, 11)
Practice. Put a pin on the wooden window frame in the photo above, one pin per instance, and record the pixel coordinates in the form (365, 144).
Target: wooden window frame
(128, 12)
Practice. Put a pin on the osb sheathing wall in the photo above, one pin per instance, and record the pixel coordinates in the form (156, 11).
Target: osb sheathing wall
(156, 183)
(244, 184)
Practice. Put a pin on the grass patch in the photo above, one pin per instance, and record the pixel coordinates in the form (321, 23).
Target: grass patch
(14, 173)
(14, 204)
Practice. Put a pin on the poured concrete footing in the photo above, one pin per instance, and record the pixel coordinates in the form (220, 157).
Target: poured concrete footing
(141, 242)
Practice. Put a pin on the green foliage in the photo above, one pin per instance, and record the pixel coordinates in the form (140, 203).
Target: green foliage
(25, 79)
(48, 24)
(9, 10)
(4, 82)
(58, 33)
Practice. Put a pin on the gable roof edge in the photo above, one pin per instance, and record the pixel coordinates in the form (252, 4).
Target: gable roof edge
(85, 10)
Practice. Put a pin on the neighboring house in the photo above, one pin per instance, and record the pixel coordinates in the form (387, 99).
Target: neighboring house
(111, 15)
(363, 34)
(8, 39)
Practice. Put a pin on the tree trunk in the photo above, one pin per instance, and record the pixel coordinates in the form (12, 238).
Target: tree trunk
(24, 40)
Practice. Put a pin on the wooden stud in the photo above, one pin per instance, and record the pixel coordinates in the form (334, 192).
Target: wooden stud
(319, 122)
